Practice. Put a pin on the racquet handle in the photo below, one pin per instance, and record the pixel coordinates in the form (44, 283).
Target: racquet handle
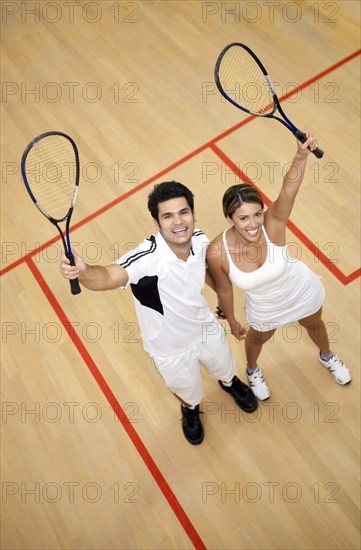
(74, 283)
(303, 138)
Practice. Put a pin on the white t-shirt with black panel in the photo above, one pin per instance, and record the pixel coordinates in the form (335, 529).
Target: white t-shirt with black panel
(168, 294)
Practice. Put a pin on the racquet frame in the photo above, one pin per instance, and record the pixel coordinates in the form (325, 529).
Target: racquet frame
(277, 107)
(74, 283)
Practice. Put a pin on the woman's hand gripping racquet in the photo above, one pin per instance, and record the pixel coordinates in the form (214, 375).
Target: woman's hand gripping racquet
(50, 170)
(239, 72)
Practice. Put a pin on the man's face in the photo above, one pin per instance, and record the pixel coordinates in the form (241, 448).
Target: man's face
(175, 222)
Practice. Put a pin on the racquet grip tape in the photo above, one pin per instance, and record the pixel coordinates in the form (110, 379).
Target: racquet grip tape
(303, 138)
(74, 283)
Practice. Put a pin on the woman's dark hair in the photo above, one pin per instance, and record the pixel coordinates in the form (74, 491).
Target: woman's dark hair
(166, 191)
(236, 195)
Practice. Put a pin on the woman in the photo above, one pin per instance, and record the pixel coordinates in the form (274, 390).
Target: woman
(253, 255)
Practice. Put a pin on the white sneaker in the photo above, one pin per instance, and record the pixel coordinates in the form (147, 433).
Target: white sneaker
(258, 385)
(338, 370)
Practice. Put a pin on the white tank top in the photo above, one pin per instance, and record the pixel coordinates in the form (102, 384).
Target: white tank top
(274, 267)
(281, 291)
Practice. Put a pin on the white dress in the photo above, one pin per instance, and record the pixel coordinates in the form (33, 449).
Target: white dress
(281, 291)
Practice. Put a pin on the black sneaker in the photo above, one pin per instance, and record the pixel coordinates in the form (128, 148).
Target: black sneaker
(191, 425)
(242, 394)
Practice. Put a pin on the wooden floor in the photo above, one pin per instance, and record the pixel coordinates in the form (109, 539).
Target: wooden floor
(92, 453)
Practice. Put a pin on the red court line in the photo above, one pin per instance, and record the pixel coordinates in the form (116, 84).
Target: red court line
(29, 255)
(344, 279)
(115, 405)
(291, 93)
(321, 74)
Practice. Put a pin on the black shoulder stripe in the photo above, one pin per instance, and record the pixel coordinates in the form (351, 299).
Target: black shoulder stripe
(137, 255)
(197, 233)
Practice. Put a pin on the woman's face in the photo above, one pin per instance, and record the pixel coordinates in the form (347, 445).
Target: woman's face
(248, 220)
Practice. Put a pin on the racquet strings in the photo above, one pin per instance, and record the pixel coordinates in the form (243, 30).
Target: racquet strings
(243, 80)
(51, 175)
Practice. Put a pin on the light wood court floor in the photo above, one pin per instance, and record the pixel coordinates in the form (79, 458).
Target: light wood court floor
(92, 453)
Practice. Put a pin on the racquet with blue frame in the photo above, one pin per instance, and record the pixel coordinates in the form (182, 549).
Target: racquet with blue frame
(243, 81)
(50, 170)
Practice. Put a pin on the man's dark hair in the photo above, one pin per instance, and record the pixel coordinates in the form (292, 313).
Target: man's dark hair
(166, 191)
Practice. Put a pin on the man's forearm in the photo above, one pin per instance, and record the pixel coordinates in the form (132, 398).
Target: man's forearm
(96, 277)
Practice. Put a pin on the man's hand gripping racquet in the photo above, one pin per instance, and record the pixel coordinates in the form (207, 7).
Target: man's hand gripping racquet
(239, 72)
(50, 170)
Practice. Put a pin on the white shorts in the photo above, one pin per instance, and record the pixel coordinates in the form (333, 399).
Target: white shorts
(182, 375)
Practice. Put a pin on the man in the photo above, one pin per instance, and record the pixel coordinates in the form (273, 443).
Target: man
(167, 273)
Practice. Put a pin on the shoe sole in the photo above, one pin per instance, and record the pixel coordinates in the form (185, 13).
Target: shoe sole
(262, 398)
(341, 383)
